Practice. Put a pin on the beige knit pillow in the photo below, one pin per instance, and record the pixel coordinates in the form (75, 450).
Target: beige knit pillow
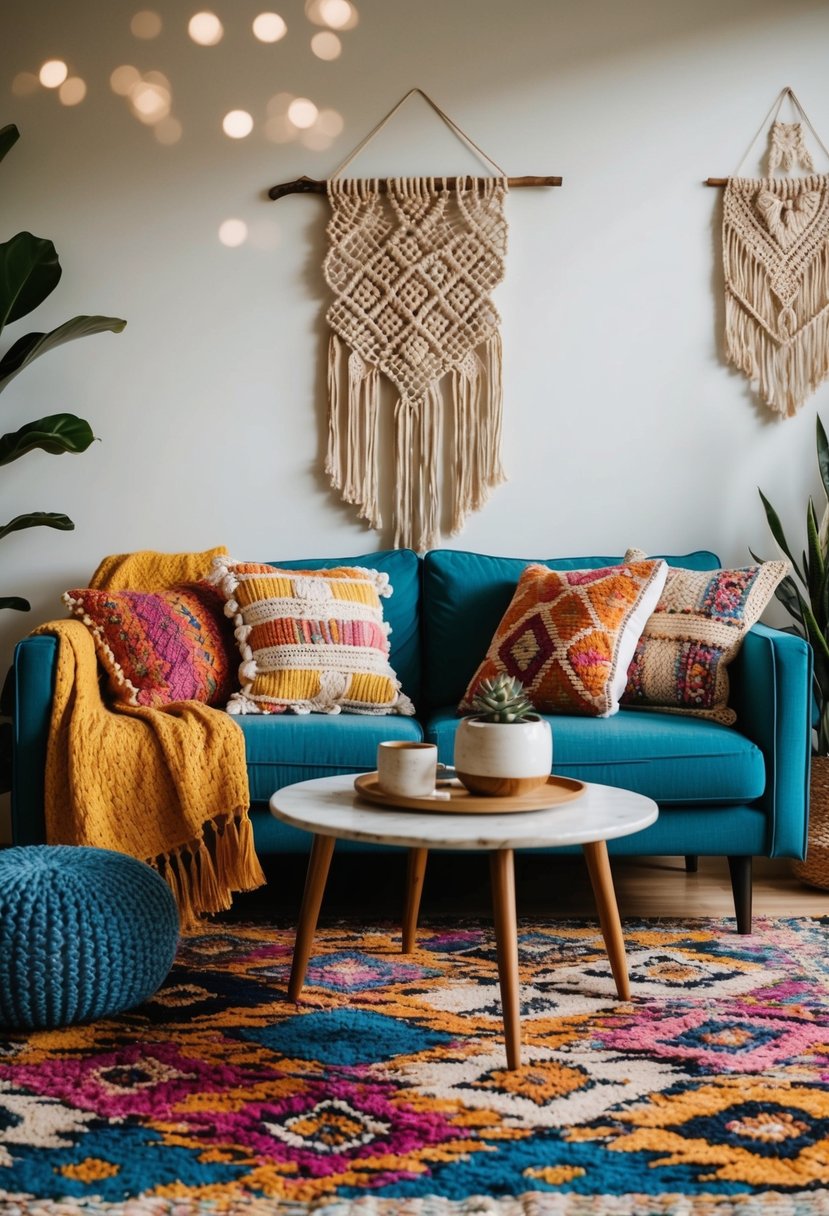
(696, 629)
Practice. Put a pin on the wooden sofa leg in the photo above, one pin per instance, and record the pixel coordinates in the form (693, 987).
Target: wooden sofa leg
(740, 868)
(691, 863)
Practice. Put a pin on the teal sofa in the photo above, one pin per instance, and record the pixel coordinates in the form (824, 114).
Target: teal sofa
(739, 792)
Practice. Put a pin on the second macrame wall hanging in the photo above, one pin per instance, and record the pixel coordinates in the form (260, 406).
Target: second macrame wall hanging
(776, 266)
(411, 264)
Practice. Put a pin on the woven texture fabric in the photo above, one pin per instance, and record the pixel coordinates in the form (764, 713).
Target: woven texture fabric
(568, 635)
(168, 786)
(411, 271)
(776, 266)
(310, 641)
(384, 1092)
(160, 646)
(696, 629)
(84, 933)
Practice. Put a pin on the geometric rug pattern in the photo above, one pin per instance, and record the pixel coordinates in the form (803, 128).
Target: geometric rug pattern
(385, 1091)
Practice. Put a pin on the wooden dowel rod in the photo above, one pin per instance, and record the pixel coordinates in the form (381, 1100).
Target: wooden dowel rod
(309, 185)
(715, 181)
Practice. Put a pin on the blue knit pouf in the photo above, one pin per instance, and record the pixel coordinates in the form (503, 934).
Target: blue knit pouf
(84, 933)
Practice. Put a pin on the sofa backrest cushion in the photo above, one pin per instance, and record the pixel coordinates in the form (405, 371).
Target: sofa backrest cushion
(465, 595)
(401, 610)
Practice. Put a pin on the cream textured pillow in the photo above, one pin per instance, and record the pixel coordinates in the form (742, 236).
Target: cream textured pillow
(696, 629)
(310, 640)
(568, 635)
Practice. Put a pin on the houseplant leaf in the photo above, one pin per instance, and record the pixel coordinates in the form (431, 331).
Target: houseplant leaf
(777, 532)
(56, 433)
(31, 346)
(38, 519)
(9, 136)
(29, 272)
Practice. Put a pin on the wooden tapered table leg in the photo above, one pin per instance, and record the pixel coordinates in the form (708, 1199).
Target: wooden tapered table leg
(415, 874)
(315, 878)
(502, 874)
(601, 880)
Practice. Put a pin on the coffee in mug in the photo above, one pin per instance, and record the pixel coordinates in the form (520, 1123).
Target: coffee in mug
(407, 769)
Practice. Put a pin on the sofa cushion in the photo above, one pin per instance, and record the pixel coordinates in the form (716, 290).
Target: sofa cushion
(568, 636)
(158, 647)
(465, 595)
(286, 748)
(401, 610)
(311, 641)
(674, 760)
(696, 630)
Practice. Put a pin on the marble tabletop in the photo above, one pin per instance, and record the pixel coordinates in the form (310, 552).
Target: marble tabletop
(330, 806)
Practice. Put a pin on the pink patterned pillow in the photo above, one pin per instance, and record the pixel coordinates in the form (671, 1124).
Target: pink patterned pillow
(161, 646)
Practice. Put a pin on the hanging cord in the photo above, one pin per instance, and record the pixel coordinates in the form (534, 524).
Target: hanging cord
(772, 116)
(453, 126)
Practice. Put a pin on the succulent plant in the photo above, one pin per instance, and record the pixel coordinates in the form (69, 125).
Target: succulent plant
(502, 699)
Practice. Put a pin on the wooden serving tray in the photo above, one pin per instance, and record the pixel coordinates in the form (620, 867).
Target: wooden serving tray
(461, 802)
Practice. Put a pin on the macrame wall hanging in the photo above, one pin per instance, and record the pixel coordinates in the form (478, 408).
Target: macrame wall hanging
(776, 264)
(411, 264)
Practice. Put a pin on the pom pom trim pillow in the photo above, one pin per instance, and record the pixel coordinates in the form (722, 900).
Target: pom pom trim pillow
(160, 646)
(311, 641)
(569, 635)
(679, 664)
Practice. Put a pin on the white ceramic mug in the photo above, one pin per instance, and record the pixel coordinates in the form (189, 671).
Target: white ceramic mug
(407, 769)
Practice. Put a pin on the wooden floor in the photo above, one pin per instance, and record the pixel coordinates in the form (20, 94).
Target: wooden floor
(366, 887)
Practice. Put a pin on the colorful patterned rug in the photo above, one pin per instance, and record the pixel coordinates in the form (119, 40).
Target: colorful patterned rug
(385, 1092)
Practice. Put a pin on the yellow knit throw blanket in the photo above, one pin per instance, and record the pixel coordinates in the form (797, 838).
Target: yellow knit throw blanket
(168, 786)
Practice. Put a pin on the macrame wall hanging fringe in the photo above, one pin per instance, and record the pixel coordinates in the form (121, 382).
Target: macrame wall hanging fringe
(411, 264)
(776, 264)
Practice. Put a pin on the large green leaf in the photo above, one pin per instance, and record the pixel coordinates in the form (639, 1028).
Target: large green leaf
(14, 601)
(9, 136)
(38, 519)
(814, 565)
(31, 346)
(823, 456)
(777, 532)
(56, 433)
(29, 271)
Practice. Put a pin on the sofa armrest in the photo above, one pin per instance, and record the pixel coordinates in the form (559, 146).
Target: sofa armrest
(34, 667)
(771, 691)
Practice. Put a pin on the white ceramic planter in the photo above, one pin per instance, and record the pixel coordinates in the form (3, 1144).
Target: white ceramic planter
(503, 758)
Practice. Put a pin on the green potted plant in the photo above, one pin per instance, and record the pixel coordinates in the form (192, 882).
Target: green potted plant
(29, 272)
(504, 748)
(805, 595)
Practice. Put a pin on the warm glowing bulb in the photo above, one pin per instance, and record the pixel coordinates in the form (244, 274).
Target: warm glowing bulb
(237, 124)
(206, 29)
(53, 73)
(151, 102)
(233, 233)
(302, 113)
(269, 27)
(145, 24)
(72, 91)
(124, 79)
(326, 45)
(336, 13)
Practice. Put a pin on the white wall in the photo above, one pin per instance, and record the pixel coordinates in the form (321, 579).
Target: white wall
(623, 426)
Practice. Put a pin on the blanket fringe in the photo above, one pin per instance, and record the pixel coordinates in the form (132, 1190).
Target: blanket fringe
(202, 874)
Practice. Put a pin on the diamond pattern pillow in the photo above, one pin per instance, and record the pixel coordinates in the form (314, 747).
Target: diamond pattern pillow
(160, 646)
(680, 662)
(310, 640)
(569, 635)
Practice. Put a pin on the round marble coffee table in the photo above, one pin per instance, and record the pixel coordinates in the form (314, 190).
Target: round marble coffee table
(331, 808)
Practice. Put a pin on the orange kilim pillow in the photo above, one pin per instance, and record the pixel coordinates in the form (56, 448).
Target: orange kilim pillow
(311, 641)
(569, 635)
